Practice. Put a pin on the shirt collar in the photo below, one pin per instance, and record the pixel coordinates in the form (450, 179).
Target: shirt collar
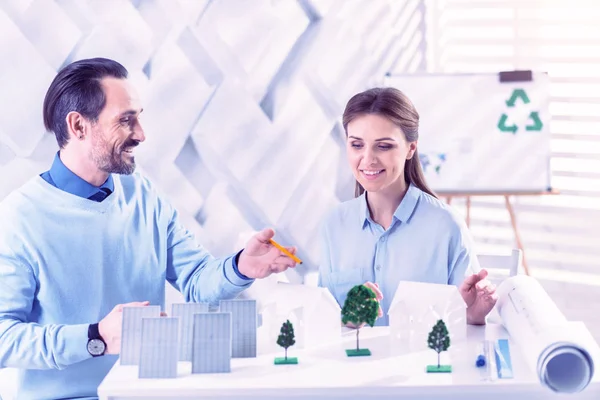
(404, 211)
(69, 182)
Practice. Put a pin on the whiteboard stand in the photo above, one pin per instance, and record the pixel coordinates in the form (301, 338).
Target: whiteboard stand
(511, 212)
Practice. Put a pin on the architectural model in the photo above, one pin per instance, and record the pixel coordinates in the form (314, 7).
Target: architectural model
(185, 312)
(212, 342)
(131, 336)
(244, 325)
(416, 307)
(286, 340)
(439, 340)
(361, 307)
(312, 311)
(159, 349)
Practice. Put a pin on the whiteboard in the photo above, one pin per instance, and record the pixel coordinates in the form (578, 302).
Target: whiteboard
(477, 134)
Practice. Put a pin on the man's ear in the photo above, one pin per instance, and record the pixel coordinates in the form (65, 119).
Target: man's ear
(76, 125)
(412, 147)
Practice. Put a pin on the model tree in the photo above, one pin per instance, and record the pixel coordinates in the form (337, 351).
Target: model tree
(361, 307)
(286, 339)
(439, 340)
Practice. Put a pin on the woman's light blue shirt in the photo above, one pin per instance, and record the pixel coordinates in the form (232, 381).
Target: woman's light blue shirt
(426, 242)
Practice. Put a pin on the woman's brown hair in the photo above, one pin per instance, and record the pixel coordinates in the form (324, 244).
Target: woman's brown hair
(395, 106)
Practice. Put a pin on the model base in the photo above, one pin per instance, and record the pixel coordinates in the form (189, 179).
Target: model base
(282, 360)
(441, 368)
(358, 353)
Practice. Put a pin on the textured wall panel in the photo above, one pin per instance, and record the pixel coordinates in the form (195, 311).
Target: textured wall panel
(242, 99)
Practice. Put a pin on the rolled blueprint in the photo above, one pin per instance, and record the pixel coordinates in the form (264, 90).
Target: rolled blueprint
(559, 351)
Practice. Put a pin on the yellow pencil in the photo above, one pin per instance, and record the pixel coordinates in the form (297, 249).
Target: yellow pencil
(284, 251)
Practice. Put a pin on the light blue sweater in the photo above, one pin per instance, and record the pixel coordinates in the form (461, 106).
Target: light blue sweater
(66, 261)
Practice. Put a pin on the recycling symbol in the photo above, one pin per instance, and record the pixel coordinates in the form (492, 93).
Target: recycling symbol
(535, 123)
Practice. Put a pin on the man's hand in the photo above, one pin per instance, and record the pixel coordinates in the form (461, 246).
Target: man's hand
(260, 258)
(110, 327)
(480, 296)
(378, 295)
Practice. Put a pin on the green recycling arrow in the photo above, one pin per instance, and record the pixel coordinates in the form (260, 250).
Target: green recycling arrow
(537, 122)
(504, 128)
(515, 95)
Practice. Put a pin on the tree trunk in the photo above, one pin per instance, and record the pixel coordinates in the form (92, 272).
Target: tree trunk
(286, 354)
(357, 347)
(438, 360)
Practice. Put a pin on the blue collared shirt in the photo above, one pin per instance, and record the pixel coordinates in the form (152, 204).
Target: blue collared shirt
(426, 242)
(63, 178)
(66, 180)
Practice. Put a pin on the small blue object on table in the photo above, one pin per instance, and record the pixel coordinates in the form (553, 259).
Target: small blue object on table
(480, 362)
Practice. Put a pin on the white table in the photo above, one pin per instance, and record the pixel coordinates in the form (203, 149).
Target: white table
(327, 373)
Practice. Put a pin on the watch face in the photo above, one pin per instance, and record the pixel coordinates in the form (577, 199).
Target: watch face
(96, 347)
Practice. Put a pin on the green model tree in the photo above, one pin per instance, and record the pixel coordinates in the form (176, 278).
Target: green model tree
(286, 339)
(361, 306)
(439, 340)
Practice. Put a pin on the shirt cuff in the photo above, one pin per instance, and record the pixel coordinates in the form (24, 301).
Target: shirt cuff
(232, 273)
(72, 345)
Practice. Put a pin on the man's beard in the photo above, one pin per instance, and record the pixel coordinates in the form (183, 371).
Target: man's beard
(110, 159)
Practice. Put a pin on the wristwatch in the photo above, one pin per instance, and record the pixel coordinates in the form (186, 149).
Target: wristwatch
(95, 346)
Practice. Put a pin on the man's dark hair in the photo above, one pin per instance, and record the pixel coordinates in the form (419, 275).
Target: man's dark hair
(77, 88)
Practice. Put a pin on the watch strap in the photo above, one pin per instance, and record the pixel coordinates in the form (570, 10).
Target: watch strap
(94, 332)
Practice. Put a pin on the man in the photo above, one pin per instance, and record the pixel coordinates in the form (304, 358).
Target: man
(89, 236)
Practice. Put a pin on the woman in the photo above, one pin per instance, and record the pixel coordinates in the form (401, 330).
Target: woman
(396, 228)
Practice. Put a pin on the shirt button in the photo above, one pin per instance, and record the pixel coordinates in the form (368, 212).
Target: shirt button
(382, 239)
(378, 267)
